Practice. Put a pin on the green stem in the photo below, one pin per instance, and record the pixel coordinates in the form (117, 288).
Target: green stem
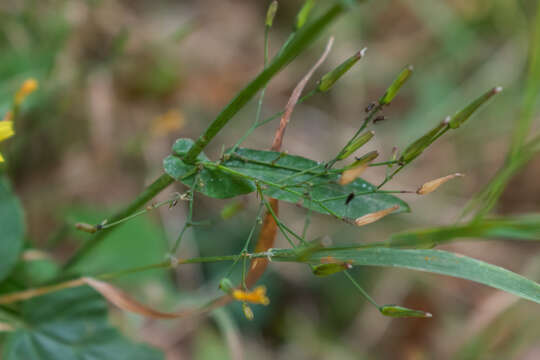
(150, 192)
(361, 289)
(261, 98)
(301, 40)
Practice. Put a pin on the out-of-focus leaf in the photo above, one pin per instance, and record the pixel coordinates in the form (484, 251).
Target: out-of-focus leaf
(136, 243)
(435, 261)
(11, 228)
(71, 324)
(211, 182)
(520, 228)
(284, 170)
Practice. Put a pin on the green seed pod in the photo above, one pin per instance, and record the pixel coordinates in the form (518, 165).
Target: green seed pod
(366, 159)
(329, 269)
(329, 79)
(356, 144)
(402, 312)
(226, 285)
(271, 13)
(461, 116)
(303, 14)
(416, 148)
(392, 91)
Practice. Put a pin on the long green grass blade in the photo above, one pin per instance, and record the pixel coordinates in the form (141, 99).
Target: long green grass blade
(434, 261)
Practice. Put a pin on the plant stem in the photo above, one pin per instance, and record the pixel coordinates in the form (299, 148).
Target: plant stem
(361, 289)
(151, 190)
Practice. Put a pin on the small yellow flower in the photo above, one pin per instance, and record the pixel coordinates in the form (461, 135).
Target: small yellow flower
(6, 131)
(28, 87)
(257, 296)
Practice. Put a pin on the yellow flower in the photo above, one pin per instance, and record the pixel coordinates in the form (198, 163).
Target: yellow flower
(257, 296)
(6, 131)
(28, 87)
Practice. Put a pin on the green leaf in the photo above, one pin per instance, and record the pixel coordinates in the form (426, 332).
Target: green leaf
(435, 261)
(525, 227)
(11, 228)
(71, 324)
(212, 182)
(310, 191)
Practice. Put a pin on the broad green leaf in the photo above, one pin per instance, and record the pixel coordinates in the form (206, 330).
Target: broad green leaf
(520, 228)
(435, 261)
(11, 229)
(71, 324)
(320, 193)
(211, 182)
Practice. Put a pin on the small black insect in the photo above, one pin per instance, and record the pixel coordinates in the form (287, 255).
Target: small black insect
(349, 198)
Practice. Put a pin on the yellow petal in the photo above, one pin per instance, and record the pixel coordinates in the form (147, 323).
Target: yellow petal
(257, 296)
(6, 130)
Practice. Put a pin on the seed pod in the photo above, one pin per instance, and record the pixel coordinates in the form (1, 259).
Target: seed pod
(461, 116)
(329, 79)
(303, 14)
(375, 216)
(271, 13)
(226, 285)
(329, 269)
(248, 313)
(392, 91)
(432, 185)
(356, 144)
(86, 227)
(402, 312)
(416, 148)
(357, 168)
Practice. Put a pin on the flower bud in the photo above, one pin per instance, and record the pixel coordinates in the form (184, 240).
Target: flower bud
(432, 185)
(357, 168)
(402, 312)
(461, 116)
(226, 285)
(271, 13)
(392, 91)
(248, 313)
(375, 216)
(356, 144)
(329, 79)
